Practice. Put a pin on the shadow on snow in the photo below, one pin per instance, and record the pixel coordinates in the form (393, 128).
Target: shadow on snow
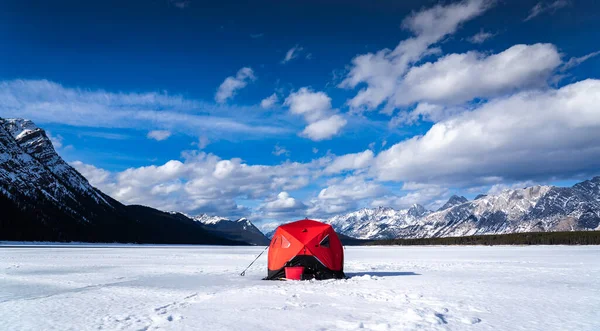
(381, 273)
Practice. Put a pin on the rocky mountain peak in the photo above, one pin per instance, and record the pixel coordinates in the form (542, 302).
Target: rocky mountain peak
(417, 210)
(454, 200)
(19, 127)
(589, 187)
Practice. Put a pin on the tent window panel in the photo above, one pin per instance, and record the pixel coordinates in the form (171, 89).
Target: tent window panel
(275, 240)
(325, 242)
(285, 243)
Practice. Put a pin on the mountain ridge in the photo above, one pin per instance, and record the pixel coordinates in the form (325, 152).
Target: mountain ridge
(531, 209)
(45, 199)
(241, 229)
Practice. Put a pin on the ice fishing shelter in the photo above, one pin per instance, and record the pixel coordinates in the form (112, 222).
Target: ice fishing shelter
(313, 246)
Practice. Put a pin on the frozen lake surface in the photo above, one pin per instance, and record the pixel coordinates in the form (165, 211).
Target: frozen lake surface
(390, 288)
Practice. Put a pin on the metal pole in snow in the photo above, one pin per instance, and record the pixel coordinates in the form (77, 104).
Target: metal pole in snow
(261, 253)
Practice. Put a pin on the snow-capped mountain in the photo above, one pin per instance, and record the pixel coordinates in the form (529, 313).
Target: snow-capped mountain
(531, 209)
(240, 230)
(453, 201)
(377, 223)
(43, 198)
(37, 155)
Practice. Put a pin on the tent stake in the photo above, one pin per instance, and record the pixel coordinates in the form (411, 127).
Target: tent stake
(261, 253)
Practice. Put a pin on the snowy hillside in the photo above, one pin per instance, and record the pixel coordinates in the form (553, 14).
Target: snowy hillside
(43, 198)
(390, 288)
(531, 209)
(240, 230)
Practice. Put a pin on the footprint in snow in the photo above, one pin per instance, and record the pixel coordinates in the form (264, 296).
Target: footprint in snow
(470, 320)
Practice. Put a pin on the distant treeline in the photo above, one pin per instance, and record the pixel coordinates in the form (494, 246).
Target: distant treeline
(532, 238)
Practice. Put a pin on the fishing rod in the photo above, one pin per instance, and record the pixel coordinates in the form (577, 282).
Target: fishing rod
(261, 253)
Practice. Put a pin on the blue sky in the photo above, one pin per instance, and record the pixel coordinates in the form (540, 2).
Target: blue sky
(158, 102)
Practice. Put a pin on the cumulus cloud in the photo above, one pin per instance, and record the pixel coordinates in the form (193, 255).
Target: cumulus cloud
(531, 135)
(343, 195)
(426, 112)
(480, 37)
(57, 141)
(292, 53)
(269, 101)
(312, 105)
(47, 102)
(323, 122)
(382, 71)
(282, 206)
(350, 162)
(458, 78)
(324, 128)
(498, 188)
(159, 135)
(96, 176)
(544, 7)
(527, 135)
(232, 84)
(429, 196)
(201, 183)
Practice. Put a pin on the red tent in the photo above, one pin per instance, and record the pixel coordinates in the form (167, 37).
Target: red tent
(309, 244)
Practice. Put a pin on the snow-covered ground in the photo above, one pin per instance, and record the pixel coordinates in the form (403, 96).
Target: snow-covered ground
(390, 288)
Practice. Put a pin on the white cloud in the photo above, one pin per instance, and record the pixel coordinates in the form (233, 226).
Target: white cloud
(292, 53)
(57, 141)
(480, 37)
(543, 7)
(181, 4)
(343, 195)
(47, 102)
(383, 70)
(527, 135)
(575, 61)
(354, 188)
(324, 128)
(498, 188)
(427, 112)
(96, 176)
(315, 150)
(350, 162)
(159, 135)
(202, 142)
(316, 109)
(278, 150)
(231, 84)
(312, 105)
(429, 197)
(269, 101)
(457, 78)
(201, 183)
(282, 206)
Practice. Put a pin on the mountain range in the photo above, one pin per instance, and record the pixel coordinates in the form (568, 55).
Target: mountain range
(241, 229)
(43, 198)
(530, 209)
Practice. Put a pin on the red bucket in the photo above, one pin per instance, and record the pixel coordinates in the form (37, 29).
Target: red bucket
(294, 273)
